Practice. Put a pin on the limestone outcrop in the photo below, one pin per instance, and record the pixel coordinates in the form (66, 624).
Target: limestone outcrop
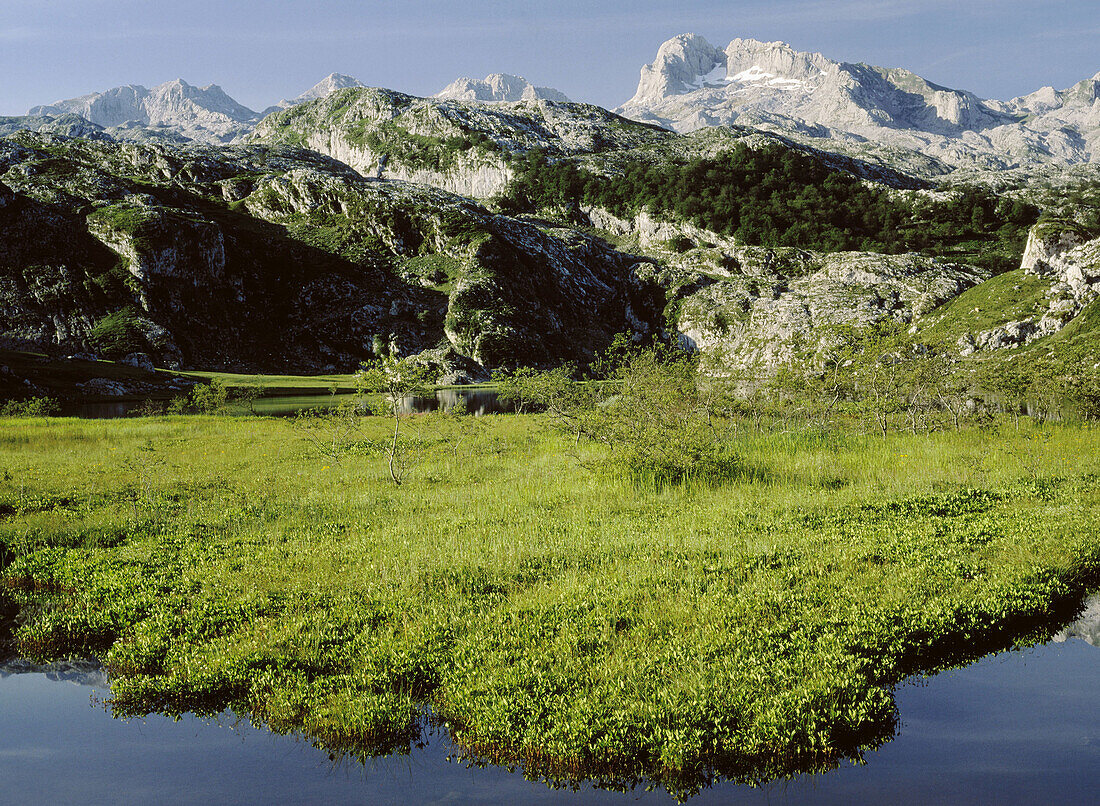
(1063, 254)
(461, 147)
(278, 258)
(757, 307)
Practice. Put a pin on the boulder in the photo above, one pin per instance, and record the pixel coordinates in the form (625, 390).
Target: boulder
(139, 360)
(103, 386)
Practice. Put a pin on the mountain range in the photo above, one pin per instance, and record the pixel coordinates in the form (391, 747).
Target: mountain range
(742, 201)
(692, 84)
(177, 111)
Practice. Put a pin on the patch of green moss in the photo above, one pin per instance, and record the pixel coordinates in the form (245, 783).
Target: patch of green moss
(440, 270)
(1050, 227)
(117, 334)
(337, 235)
(134, 221)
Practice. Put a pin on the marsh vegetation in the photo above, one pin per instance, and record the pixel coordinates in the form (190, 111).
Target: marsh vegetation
(649, 582)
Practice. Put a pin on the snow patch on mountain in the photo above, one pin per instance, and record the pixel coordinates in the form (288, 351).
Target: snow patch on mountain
(770, 85)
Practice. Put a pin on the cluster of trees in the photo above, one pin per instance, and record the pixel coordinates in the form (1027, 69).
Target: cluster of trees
(668, 415)
(775, 196)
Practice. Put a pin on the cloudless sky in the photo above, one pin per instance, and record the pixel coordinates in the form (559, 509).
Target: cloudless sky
(265, 50)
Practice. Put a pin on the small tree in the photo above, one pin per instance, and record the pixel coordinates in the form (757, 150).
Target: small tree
(396, 380)
(953, 391)
(880, 372)
(1010, 383)
(329, 430)
(210, 398)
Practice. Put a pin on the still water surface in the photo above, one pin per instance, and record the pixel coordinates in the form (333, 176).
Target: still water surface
(476, 401)
(1015, 728)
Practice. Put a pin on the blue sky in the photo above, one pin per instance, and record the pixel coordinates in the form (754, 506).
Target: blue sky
(265, 50)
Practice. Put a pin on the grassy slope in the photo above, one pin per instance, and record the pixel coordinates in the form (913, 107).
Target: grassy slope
(1078, 342)
(568, 619)
(59, 377)
(1004, 298)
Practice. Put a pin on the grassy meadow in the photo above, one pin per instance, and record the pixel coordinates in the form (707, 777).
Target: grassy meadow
(550, 611)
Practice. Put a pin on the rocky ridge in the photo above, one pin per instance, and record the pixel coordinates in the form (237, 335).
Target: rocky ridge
(204, 114)
(692, 84)
(462, 147)
(173, 112)
(265, 258)
(498, 87)
(326, 86)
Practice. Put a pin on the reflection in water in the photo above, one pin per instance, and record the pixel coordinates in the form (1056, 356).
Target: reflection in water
(1014, 728)
(82, 672)
(1086, 626)
(476, 401)
(473, 401)
(100, 411)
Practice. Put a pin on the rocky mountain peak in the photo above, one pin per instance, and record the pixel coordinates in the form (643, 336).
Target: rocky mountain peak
(771, 85)
(206, 114)
(684, 63)
(498, 87)
(748, 58)
(326, 86)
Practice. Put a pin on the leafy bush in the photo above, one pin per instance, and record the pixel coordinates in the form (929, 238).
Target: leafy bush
(210, 398)
(651, 414)
(32, 407)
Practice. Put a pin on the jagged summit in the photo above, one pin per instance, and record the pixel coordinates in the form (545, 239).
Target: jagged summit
(326, 86)
(175, 110)
(206, 114)
(691, 84)
(498, 87)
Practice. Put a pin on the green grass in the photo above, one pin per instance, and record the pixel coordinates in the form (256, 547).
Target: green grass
(1006, 297)
(60, 376)
(281, 384)
(584, 624)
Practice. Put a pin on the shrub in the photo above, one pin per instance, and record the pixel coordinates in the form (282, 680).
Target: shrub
(210, 398)
(32, 407)
(651, 415)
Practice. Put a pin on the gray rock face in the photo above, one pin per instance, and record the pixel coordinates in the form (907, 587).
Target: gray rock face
(104, 387)
(139, 360)
(683, 64)
(692, 84)
(498, 87)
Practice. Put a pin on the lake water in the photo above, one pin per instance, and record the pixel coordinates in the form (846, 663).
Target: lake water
(1016, 728)
(477, 401)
